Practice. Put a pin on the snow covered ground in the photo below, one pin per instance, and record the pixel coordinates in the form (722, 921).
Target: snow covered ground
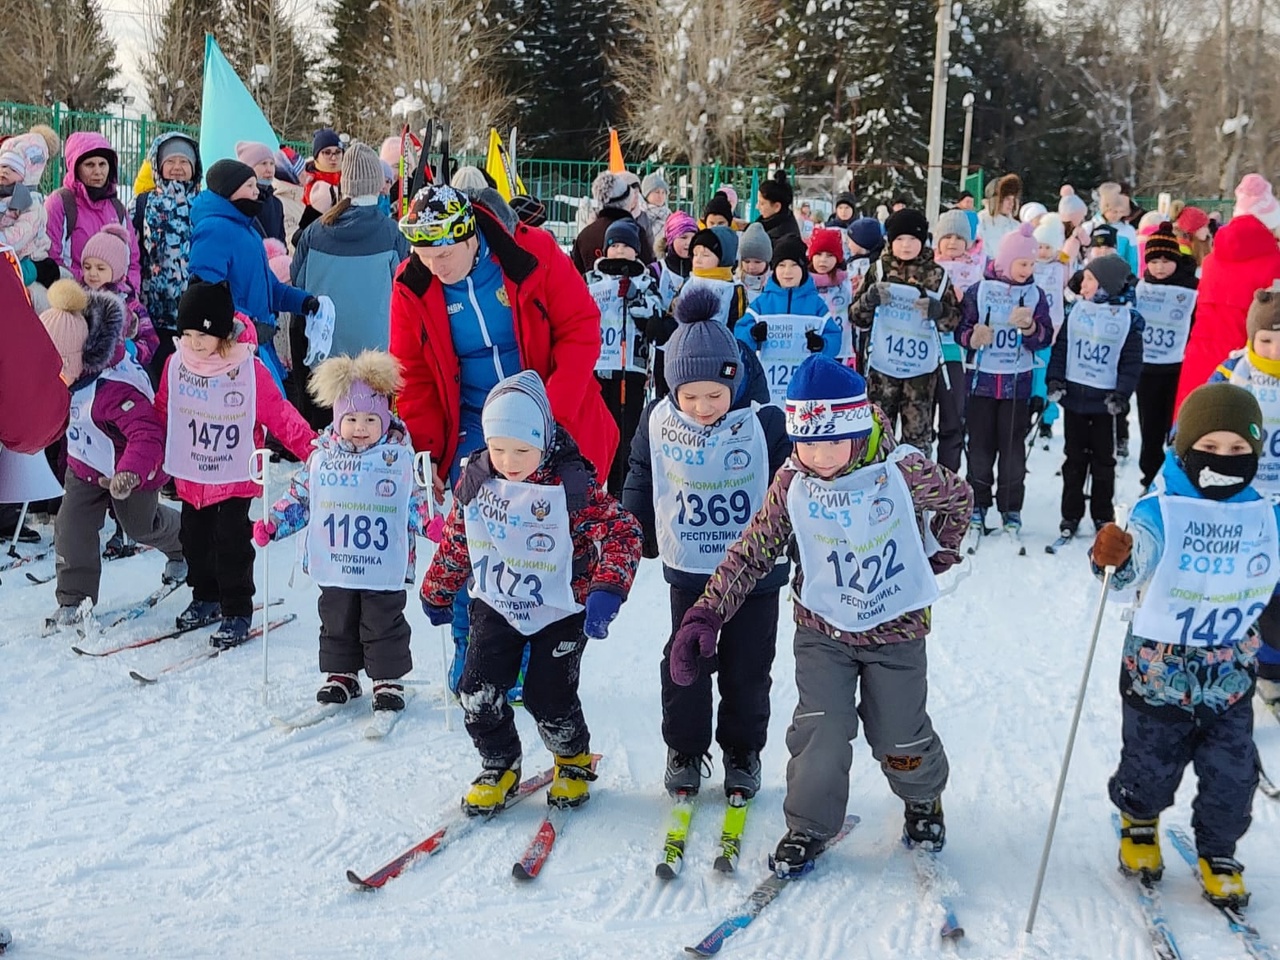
(175, 821)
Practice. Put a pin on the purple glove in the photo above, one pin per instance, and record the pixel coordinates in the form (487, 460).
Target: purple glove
(438, 616)
(695, 638)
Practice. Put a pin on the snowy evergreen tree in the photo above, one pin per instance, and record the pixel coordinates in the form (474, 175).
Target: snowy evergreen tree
(816, 80)
(361, 37)
(174, 70)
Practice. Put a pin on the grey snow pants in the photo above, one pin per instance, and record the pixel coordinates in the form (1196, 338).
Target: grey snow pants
(825, 723)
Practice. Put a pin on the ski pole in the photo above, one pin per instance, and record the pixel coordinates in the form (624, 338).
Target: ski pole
(1071, 736)
(422, 476)
(259, 466)
(17, 531)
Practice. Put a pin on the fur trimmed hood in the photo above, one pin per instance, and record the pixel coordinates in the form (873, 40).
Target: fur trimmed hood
(104, 315)
(333, 379)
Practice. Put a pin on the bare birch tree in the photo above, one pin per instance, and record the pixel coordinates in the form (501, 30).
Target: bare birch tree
(264, 45)
(57, 51)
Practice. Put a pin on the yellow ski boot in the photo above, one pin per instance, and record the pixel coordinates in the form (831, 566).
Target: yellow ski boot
(1140, 848)
(569, 788)
(490, 791)
(1223, 885)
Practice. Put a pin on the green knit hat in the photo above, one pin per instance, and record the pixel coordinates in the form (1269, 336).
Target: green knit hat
(1218, 406)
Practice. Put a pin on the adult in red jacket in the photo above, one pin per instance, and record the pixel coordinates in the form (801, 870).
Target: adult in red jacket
(538, 296)
(34, 401)
(1245, 258)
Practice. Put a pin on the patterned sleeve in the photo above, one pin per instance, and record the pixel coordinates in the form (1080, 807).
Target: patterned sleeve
(292, 511)
(753, 557)
(451, 565)
(936, 490)
(604, 524)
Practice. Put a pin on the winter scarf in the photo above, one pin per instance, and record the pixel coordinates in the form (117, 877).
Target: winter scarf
(167, 239)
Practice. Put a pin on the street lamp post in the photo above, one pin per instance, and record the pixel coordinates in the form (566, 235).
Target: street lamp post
(938, 115)
(968, 135)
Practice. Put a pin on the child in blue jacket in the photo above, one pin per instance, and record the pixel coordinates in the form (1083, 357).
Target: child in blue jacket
(790, 291)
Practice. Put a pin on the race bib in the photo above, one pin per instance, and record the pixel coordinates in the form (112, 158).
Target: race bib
(1005, 354)
(358, 535)
(708, 482)
(620, 342)
(518, 537)
(1051, 277)
(210, 431)
(1220, 564)
(784, 351)
(963, 274)
(838, 299)
(669, 284)
(861, 552)
(904, 343)
(1097, 334)
(1167, 312)
(1267, 391)
(86, 441)
(723, 289)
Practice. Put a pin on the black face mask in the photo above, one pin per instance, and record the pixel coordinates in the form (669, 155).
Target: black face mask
(1219, 477)
(250, 208)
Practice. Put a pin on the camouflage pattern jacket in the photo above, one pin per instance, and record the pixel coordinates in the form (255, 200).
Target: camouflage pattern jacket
(923, 272)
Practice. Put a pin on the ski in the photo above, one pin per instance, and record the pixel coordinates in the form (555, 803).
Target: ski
(1163, 944)
(148, 641)
(458, 826)
(973, 538)
(1058, 544)
(15, 560)
(41, 580)
(380, 724)
(539, 849)
(765, 892)
(935, 880)
(1014, 535)
(677, 836)
(200, 656)
(1241, 927)
(316, 713)
(735, 822)
(139, 609)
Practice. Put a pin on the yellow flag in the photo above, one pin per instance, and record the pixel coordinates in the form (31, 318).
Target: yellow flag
(615, 153)
(498, 165)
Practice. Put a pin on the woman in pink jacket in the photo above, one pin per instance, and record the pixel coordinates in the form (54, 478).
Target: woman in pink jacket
(87, 202)
(217, 400)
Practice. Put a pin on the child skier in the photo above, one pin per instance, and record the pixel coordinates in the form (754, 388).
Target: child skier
(675, 264)
(790, 291)
(585, 548)
(1005, 318)
(963, 260)
(707, 433)
(217, 400)
(755, 251)
(1205, 553)
(358, 488)
(115, 445)
(104, 265)
(850, 625)
(1093, 370)
(905, 348)
(715, 254)
(1166, 298)
(827, 266)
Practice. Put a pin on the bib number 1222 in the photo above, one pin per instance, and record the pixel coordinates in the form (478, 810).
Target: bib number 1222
(882, 566)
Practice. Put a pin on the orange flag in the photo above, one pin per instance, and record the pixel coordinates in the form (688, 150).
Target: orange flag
(615, 153)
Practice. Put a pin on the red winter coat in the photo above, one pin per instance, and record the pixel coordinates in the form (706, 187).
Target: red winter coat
(34, 401)
(557, 326)
(1245, 258)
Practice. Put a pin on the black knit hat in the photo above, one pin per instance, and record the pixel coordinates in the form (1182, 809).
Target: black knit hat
(1111, 272)
(792, 248)
(907, 223)
(1163, 245)
(227, 176)
(207, 308)
(719, 206)
(1218, 406)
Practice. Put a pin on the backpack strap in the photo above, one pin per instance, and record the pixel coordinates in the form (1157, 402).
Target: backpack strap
(68, 214)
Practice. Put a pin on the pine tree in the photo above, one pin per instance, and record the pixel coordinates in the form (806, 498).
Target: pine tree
(361, 36)
(58, 51)
(174, 70)
(818, 88)
(264, 47)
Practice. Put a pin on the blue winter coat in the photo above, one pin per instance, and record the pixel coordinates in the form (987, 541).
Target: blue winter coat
(1091, 400)
(804, 301)
(353, 261)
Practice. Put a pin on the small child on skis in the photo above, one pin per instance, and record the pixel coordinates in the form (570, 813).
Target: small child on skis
(1093, 370)
(827, 267)
(790, 292)
(104, 265)
(626, 292)
(676, 264)
(707, 433)
(1166, 298)
(1206, 556)
(216, 401)
(1005, 319)
(852, 624)
(115, 446)
(965, 263)
(755, 251)
(905, 350)
(580, 548)
(358, 487)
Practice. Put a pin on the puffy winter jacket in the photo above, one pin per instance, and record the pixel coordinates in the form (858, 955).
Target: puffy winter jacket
(1006, 386)
(33, 399)
(557, 328)
(1245, 258)
(804, 300)
(1091, 400)
(91, 215)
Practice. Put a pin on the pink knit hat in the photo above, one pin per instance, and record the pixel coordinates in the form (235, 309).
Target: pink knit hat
(251, 153)
(111, 246)
(1254, 198)
(64, 320)
(389, 152)
(1021, 244)
(362, 398)
(677, 225)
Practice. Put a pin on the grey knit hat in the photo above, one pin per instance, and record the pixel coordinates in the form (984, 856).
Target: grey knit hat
(652, 182)
(518, 408)
(361, 172)
(754, 244)
(953, 223)
(1112, 273)
(702, 347)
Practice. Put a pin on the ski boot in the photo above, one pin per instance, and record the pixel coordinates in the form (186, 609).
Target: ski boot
(1223, 885)
(1046, 430)
(67, 616)
(978, 521)
(199, 613)
(1140, 849)
(388, 695)
(175, 571)
(685, 772)
(795, 855)
(924, 825)
(233, 632)
(491, 790)
(1067, 528)
(1012, 522)
(339, 688)
(741, 773)
(569, 788)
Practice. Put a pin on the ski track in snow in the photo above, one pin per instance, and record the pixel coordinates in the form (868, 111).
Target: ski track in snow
(176, 821)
